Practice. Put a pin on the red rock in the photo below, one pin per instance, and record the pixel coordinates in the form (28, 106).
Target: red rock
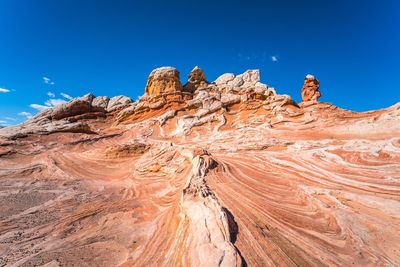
(163, 80)
(220, 176)
(310, 90)
(196, 79)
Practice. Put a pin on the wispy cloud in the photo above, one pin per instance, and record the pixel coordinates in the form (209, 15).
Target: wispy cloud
(54, 102)
(246, 57)
(39, 107)
(51, 94)
(66, 96)
(25, 114)
(47, 80)
(254, 57)
(274, 59)
(4, 90)
(3, 122)
(50, 103)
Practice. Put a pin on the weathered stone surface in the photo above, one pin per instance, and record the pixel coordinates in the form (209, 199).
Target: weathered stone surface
(73, 108)
(117, 102)
(229, 99)
(310, 90)
(101, 102)
(66, 117)
(224, 79)
(196, 79)
(250, 79)
(88, 98)
(163, 80)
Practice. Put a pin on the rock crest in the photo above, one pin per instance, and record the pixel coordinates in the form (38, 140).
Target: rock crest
(310, 90)
(163, 80)
(196, 79)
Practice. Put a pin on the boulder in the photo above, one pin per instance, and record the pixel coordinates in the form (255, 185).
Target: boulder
(163, 80)
(310, 90)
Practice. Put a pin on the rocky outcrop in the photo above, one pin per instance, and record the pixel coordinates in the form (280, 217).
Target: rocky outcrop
(117, 102)
(200, 98)
(101, 102)
(210, 229)
(248, 79)
(89, 97)
(196, 79)
(68, 117)
(310, 90)
(73, 108)
(163, 80)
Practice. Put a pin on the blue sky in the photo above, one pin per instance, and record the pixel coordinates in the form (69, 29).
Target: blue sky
(110, 47)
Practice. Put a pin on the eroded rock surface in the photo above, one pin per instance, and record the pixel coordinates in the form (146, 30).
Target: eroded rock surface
(310, 90)
(196, 79)
(229, 173)
(163, 80)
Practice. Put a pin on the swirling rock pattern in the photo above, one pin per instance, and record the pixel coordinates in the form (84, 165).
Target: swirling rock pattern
(228, 175)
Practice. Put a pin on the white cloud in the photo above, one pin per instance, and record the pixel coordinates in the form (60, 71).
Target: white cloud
(3, 122)
(25, 114)
(274, 59)
(9, 119)
(48, 81)
(4, 90)
(54, 102)
(66, 96)
(39, 107)
(51, 103)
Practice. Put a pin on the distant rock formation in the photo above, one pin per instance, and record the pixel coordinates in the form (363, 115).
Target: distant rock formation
(310, 90)
(68, 117)
(201, 99)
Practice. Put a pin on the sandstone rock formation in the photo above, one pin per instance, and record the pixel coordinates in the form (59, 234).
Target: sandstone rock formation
(310, 90)
(117, 102)
(196, 79)
(101, 102)
(163, 80)
(68, 117)
(228, 174)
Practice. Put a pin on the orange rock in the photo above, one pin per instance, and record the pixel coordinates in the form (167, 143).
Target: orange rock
(310, 90)
(196, 79)
(163, 80)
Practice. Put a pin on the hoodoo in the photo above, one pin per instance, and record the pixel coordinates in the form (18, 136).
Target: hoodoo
(310, 90)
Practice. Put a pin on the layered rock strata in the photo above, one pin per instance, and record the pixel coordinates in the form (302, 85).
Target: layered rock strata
(223, 173)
